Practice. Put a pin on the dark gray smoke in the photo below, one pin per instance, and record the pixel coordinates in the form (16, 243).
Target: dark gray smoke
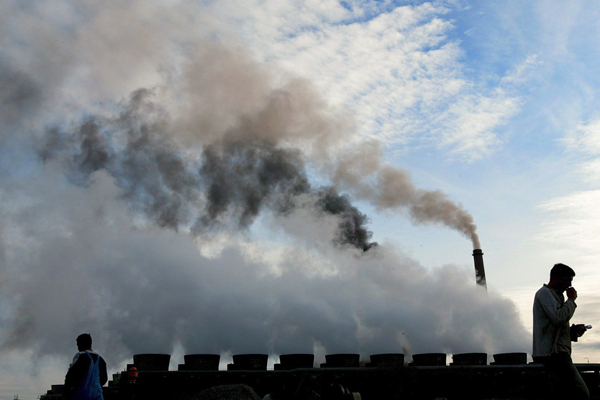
(353, 221)
(232, 180)
(247, 176)
(20, 97)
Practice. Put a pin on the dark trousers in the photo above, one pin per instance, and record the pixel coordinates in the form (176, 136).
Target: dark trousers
(566, 381)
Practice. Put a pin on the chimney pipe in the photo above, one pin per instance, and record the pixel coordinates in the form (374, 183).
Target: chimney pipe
(479, 271)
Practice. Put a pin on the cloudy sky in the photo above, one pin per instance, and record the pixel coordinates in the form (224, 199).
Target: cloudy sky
(211, 176)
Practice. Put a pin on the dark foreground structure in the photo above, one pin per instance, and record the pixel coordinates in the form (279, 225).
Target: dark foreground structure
(386, 376)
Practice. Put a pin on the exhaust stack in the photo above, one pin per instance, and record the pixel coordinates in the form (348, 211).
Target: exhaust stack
(479, 271)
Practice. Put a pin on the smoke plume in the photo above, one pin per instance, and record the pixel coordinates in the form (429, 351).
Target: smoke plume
(175, 191)
(230, 182)
(237, 175)
(390, 188)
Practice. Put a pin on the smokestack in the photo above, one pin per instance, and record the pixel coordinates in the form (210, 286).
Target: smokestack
(479, 271)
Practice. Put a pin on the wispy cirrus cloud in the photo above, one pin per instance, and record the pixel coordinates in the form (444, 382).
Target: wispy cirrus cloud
(585, 141)
(395, 68)
(585, 138)
(576, 218)
(576, 222)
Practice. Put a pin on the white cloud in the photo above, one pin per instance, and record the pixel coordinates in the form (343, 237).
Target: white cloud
(472, 123)
(576, 222)
(585, 138)
(397, 71)
(591, 170)
(560, 21)
(394, 68)
(584, 141)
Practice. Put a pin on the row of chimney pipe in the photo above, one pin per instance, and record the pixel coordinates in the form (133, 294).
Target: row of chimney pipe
(258, 362)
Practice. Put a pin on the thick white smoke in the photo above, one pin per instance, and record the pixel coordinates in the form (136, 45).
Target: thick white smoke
(76, 263)
(122, 169)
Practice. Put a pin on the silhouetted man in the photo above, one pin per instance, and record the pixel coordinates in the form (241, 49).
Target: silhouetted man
(87, 373)
(552, 335)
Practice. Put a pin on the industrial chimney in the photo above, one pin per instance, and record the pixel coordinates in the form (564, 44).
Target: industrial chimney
(479, 271)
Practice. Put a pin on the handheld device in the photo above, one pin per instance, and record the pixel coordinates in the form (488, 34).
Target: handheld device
(588, 327)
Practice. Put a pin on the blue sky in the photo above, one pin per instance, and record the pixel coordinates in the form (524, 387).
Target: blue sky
(495, 104)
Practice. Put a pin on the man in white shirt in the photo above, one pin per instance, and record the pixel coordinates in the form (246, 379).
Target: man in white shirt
(552, 334)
